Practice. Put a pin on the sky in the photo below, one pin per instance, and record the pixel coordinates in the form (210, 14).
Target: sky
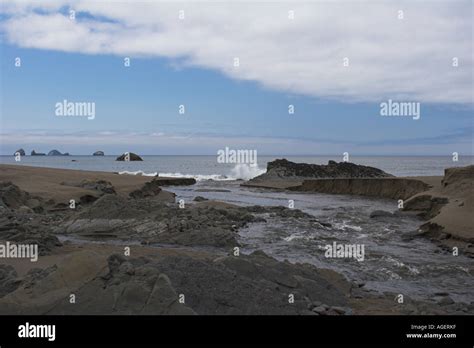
(335, 62)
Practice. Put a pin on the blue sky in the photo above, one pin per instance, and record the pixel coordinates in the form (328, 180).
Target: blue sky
(137, 106)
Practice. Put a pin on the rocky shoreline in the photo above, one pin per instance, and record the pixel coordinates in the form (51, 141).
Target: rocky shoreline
(446, 203)
(128, 247)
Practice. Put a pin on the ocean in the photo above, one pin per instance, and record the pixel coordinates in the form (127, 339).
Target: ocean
(207, 167)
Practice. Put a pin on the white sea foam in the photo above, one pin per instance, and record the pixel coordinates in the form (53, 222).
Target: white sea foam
(198, 177)
(344, 226)
(138, 172)
(240, 171)
(246, 171)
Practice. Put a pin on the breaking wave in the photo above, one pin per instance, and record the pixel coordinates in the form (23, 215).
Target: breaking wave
(240, 171)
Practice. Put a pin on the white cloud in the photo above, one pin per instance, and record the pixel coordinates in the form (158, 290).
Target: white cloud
(409, 59)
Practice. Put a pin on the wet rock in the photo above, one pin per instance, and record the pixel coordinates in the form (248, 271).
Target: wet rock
(381, 214)
(86, 199)
(8, 280)
(426, 206)
(18, 228)
(175, 181)
(445, 301)
(102, 186)
(149, 189)
(12, 196)
(25, 210)
(35, 275)
(132, 286)
(199, 199)
(152, 221)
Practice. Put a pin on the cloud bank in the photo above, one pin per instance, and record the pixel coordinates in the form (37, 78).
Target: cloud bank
(409, 58)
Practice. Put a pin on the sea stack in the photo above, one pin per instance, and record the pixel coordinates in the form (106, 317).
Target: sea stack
(98, 153)
(284, 169)
(20, 152)
(129, 156)
(57, 153)
(34, 153)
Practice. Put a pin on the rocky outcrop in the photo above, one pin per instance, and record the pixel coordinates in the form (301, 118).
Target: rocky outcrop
(20, 227)
(20, 221)
(175, 181)
(150, 189)
(9, 281)
(394, 188)
(284, 169)
(131, 286)
(448, 209)
(426, 206)
(178, 285)
(34, 153)
(57, 153)
(20, 152)
(101, 186)
(129, 156)
(98, 153)
(12, 197)
(151, 221)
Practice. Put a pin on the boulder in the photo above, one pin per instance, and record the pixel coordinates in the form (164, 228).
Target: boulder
(129, 156)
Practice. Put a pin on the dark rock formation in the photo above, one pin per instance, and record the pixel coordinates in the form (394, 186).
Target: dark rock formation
(57, 153)
(21, 152)
(175, 181)
(425, 205)
(34, 153)
(150, 189)
(12, 196)
(381, 214)
(102, 186)
(8, 280)
(393, 188)
(20, 228)
(131, 157)
(284, 169)
(98, 153)
(247, 284)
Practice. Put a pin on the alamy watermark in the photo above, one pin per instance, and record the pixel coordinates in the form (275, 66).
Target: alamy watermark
(237, 156)
(19, 251)
(335, 250)
(394, 108)
(75, 109)
(28, 330)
